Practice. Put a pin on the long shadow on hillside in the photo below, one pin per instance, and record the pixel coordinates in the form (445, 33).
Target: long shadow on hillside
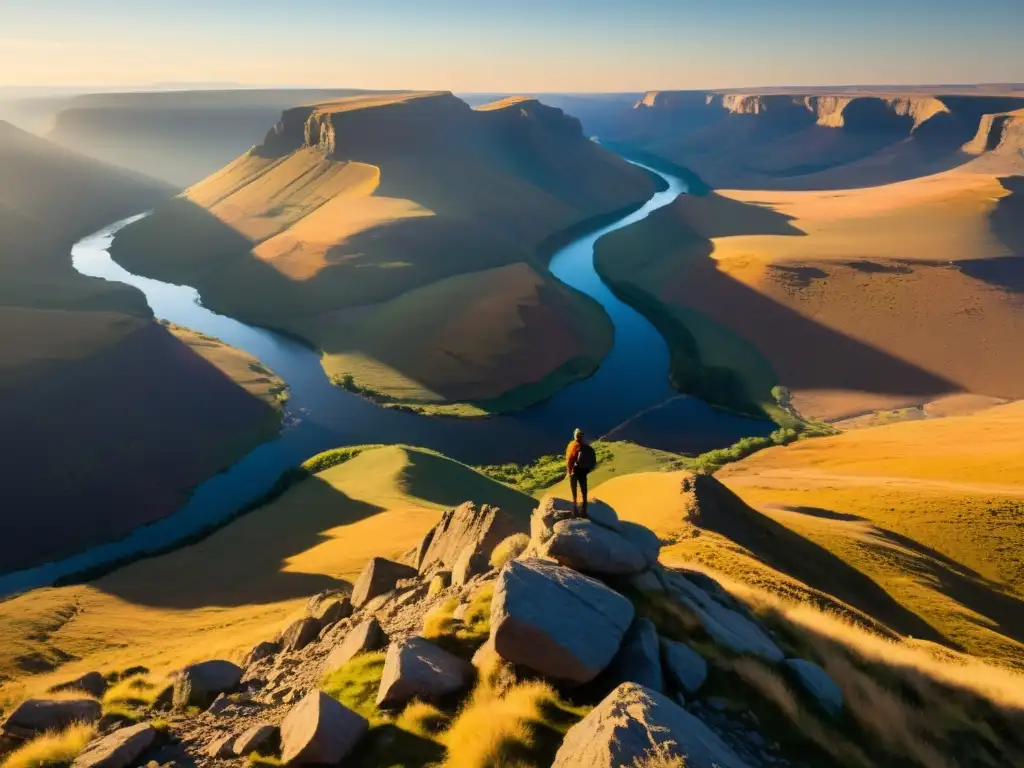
(966, 586)
(1007, 219)
(784, 550)
(97, 446)
(675, 244)
(245, 563)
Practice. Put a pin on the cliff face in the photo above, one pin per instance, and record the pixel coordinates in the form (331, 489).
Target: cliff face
(815, 139)
(419, 210)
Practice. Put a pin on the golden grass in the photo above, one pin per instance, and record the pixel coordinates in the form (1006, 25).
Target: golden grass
(52, 748)
(238, 365)
(218, 598)
(355, 685)
(135, 691)
(509, 549)
(515, 728)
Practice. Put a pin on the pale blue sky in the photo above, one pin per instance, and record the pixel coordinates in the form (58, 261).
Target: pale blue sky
(527, 45)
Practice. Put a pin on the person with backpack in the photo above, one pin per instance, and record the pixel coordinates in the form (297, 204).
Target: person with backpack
(580, 460)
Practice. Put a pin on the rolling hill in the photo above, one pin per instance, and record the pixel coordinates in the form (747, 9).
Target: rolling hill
(101, 432)
(404, 236)
(235, 586)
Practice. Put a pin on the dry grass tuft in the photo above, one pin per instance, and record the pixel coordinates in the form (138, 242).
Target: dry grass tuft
(52, 748)
(135, 691)
(658, 756)
(518, 728)
(355, 684)
(422, 719)
(510, 548)
(461, 636)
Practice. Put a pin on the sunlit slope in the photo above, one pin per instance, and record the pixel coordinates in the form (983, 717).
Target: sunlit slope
(853, 299)
(96, 398)
(234, 588)
(329, 227)
(914, 527)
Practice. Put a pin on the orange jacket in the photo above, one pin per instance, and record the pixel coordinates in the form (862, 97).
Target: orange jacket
(572, 452)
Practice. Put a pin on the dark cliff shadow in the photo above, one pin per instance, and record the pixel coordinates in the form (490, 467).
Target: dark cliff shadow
(725, 513)
(97, 446)
(676, 243)
(245, 562)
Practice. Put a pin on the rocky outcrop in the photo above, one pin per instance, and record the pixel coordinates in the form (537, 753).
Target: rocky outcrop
(199, 684)
(299, 634)
(555, 621)
(633, 724)
(639, 659)
(591, 548)
(35, 716)
(117, 750)
(465, 537)
(377, 578)
(320, 731)
(365, 636)
(726, 626)
(260, 651)
(817, 682)
(251, 739)
(686, 668)
(416, 668)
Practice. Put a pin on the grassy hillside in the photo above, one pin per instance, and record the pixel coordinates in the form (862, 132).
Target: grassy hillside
(232, 589)
(99, 402)
(912, 528)
(375, 225)
(855, 300)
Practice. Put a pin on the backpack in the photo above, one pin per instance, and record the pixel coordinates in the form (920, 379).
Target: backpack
(587, 459)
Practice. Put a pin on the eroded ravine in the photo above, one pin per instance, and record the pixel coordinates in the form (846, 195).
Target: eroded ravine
(631, 380)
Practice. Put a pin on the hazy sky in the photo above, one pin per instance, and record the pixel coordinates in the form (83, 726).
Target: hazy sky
(524, 45)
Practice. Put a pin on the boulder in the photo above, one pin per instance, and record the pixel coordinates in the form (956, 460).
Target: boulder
(727, 627)
(635, 726)
(320, 731)
(379, 577)
(470, 563)
(221, 746)
(420, 551)
(367, 636)
(591, 548)
(299, 634)
(472, 529)
(416, 668)
(644, 539)
(261, 651)
(542, 523)
(34, 716)
(602, 514)
(647, 583)
(819, 684)
(556, 621)
(119, 749)
(198, 684)
(439, 582)
(251, 739)
(92, 683)
(333, 610)
(639, 658)
(686, 668)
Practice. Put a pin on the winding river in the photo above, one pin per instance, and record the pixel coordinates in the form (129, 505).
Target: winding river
(629, 397)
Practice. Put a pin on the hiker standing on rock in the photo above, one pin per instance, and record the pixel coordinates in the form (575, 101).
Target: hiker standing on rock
(580, 459)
